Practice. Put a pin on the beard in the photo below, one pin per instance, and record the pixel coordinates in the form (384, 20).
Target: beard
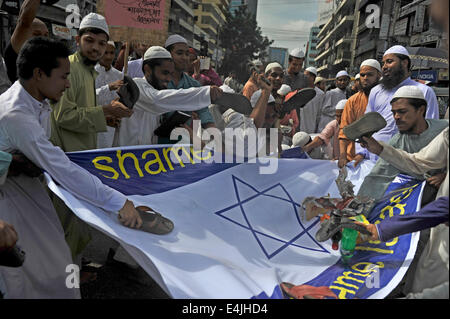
(88, 62)
(395, 78)
(155, 82)
(367, 90)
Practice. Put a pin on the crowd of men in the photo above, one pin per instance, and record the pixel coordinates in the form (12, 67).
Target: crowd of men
(55, 101)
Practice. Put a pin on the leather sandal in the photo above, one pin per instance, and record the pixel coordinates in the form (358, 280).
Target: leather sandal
(367, 125)
(153, 222)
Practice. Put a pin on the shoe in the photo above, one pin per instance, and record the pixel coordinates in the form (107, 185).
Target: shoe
(367, 125)
(306, 292)
(129, 92)
(299, 100)
(237, 102)
(330, 227)
(153, 222)
(14, 257)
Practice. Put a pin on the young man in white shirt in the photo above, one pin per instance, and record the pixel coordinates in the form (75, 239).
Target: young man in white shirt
(43, 69)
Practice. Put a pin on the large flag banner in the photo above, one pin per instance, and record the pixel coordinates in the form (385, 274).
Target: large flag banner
(239, 233)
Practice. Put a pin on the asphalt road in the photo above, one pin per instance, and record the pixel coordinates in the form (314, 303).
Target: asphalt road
(116, 280)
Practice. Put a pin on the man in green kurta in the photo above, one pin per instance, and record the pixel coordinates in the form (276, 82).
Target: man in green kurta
(76, 118)
(415, 132)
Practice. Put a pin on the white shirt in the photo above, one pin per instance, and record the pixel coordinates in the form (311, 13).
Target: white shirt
(135, 69)
(104, 97)
(328, 111)
(24, 126)
(138, 129)
(310, 113)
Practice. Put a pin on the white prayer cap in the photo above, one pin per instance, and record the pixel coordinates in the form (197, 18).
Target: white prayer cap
(284, 89)
(397, 49)
(111, 43)
(341, 104)
(157, 52)
(409, 92)
(255, 97)
(227, 89)
(94, 20)
(297, 53)
(342, 73)
(372, 63)
(357, 76)
(174, 38)
(273, 65)
(300, 139)
(319, 79)
(312, 70)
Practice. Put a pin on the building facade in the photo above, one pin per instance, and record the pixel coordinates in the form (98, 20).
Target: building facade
(335, 39)
(210, 16)
(311, 51)
(280, 55)
(182, 19)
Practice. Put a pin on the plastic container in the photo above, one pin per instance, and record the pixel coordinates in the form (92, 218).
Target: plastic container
(348, 242)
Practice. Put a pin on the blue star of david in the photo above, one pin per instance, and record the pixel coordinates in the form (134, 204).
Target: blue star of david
(249, 226)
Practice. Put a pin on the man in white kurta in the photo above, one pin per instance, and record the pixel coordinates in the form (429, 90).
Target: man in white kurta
(310, 113)
(139, 128)
(106, 84)
(332, 98)
(24, 202)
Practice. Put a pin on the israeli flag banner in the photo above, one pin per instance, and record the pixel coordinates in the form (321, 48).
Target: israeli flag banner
(239, 233)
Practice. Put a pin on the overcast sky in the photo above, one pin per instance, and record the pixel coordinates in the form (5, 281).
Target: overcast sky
(288, 22)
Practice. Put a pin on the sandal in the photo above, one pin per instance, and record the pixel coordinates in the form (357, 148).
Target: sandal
(367, 125)
(298, 100)
(153, 222)
(306, 291)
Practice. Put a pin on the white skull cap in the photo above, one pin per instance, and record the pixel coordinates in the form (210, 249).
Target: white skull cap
(157, 52)
(255, 97)
(372, 63)
(273, 65)
(342, 73)
(409, 91)
(319, 79)
(174, 38)
(312, 70)
(94, 20)
(341, 104)
(398, 49)
(297, 53)
(300, 139)
(284, 89)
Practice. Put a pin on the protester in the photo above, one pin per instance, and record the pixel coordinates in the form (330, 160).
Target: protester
(310, 113)
(27, 26)
(332, 97)
(232, 82)
(320, 83)
(290, 119)
(274, 73)
(136, 53)
(396, 74)
(178, 48)
(329, 135)
(43, 69)
(76, 119)
(251, 86)
(108, 81)
(408, 107)
(370, 74)
(204, 77)
(294, 76)
(155, 99)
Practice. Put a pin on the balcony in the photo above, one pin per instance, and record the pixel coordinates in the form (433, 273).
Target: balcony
(345, 56)
(342, 23)
(323, 54)
(345, 40)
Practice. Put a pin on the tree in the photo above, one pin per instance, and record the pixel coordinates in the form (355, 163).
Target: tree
(242, 39)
